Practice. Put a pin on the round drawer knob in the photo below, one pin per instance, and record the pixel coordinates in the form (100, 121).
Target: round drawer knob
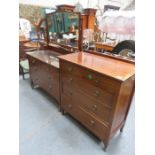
(71, 79)
(70, 69)
(94, 107)
(97, 81)
(89, 76)
(92, 123)
(97, 93)
(70, 106)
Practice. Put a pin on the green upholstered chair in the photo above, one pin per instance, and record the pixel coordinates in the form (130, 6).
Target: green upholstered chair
(24, 67)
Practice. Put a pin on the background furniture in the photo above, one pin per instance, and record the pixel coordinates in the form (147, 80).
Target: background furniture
(25, 46)
(97, 91)
(104, 46)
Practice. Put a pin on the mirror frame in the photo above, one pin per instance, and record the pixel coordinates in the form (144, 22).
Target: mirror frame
(78, 47)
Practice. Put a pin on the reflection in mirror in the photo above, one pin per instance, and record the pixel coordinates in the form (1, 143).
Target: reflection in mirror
(63, 28)
(25, 28)
(42, 31)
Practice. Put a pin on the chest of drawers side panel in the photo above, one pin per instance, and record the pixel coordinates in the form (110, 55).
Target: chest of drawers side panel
(33, 69)
(122, 106)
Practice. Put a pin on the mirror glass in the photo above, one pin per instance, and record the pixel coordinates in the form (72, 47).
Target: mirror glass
(63, 28)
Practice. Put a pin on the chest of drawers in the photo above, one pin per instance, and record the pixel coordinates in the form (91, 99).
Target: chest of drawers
(97, 91)
(44, 72)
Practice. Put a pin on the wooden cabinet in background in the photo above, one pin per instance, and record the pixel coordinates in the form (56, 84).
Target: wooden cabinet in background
(97, 91)
(88, 18)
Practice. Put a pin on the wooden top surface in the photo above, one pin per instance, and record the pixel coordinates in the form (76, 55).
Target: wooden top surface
(117, 69)
(31, 45)
(46, 56)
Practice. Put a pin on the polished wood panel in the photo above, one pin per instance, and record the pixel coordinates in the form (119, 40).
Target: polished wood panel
(44, 71)
(97, 127)
(90, 77)
(97, 91)
(109, 67)
(46, 56)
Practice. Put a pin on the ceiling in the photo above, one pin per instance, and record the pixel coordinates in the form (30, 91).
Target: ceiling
(85, 3)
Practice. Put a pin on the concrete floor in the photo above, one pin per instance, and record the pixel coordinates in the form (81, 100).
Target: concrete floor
(45, 131)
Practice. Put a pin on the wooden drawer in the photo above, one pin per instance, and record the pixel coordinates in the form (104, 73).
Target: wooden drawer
(97, 127)
(95, 93)
(91, 77)
(53, 90)
(34, 71)
(98, 110)
(50, 80)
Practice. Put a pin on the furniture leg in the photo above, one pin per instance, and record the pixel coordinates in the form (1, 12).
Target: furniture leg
(121, 129)
(32, 84)
(104, 145)
(63, 112)
(23, 74)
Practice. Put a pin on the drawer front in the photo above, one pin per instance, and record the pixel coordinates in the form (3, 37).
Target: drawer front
(95, 93)
(97, 127)
(90, 77)
(50, 80)
(34, 70)
(98, 110)
(52, 90)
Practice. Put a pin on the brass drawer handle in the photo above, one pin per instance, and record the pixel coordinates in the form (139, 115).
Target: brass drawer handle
(92, 123)
(94, 108)
(97, 81)
(97, 93)
(71, 79)
(50, 87)
(70, 69)
(70, 106)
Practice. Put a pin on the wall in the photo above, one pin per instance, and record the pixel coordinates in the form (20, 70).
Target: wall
(31, 12)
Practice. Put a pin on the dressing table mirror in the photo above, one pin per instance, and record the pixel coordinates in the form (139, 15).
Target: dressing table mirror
(63, 28)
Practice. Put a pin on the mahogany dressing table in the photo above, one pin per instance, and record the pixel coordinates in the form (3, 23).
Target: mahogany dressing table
(44, 71)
